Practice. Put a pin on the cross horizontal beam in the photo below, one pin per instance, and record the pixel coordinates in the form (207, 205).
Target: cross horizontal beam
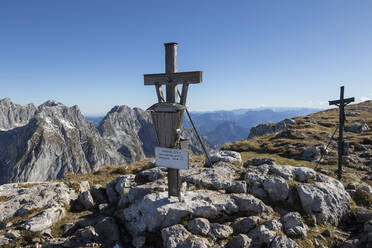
(192, 77)
(342, 101)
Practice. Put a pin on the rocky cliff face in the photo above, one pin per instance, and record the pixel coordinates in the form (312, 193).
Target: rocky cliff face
(129, 132)
(14, 115)
(55, 142)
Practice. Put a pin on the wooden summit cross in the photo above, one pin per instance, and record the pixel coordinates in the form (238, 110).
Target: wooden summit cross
(167, 128)
(341, 103)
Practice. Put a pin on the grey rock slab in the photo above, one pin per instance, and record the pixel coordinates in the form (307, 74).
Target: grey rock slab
(174, 236)
(285, 171)
(13, 234)
(99, 194)
(245, 224)
(118, 186)
(45, 219)
(155, 211)
(153, 174)
(196, 242)
(259, 161)
(31, 196)
(86, 200)
(273, 225)
(138, 192)
(293, 225)
(277, 188)
(226, 156)
(217, 177)
(84, 186)
(237, 187)
(199, 226)
(311, 153)
(261, 236)
(4, 240)
(220, 231)
(282, 241)
(108, 229)
(302, 174)
(358, 128)
(327, 201)
(88, 233)
(240, 241)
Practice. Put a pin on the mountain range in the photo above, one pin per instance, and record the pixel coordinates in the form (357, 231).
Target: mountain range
(227, 126)
(52, 140)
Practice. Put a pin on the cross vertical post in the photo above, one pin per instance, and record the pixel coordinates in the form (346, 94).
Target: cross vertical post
(167, 114)
(174, 179)
(341, 103)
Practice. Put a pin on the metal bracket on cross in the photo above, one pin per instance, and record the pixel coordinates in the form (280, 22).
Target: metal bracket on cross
(167, 114)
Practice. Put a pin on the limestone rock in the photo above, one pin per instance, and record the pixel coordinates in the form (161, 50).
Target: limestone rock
(156, 211)
(174, 236)
(153, 174)
(199, 226)
(219, 231)
(282, 241)
(119, 186)
(138, 192)
(303, 174)
(240, 241)
(196, 242)
(358, 128)
(237, 187)
(293, 225)
(226, 156)
(108, 229)
(86, 200)
(245, 224)
(273, 225)
(259, 161)
(261, 236)
(13, 234)
(311, 154)
(220, 176)
(49, 198)
(327, 201)
(277, 188)
(99, 194)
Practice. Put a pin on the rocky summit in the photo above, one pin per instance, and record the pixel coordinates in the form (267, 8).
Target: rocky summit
(54, 140)
(227, 204)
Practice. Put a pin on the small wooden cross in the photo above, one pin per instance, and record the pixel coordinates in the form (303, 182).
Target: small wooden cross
(341, 103)
(171, 78)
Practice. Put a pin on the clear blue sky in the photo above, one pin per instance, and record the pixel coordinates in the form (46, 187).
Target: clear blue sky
(252, 53)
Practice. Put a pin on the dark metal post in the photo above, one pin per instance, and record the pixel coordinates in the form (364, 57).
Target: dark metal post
(340, 134)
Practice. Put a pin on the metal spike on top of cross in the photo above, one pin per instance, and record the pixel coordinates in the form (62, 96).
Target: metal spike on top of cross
(341, 103)
(167, 114)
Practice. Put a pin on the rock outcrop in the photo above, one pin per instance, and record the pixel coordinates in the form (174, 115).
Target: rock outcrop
(134, 209)
(263, 129)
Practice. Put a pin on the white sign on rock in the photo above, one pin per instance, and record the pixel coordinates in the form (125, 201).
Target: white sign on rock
(172, 158)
